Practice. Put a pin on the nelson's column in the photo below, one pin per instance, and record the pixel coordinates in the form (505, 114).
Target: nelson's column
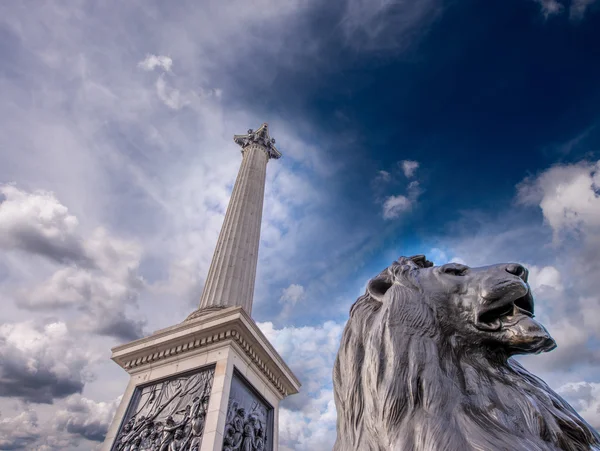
(212, 382)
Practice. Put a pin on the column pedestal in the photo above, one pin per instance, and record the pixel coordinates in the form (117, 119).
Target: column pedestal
(207, 380)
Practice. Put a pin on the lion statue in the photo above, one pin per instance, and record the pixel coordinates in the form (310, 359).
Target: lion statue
(425, 365)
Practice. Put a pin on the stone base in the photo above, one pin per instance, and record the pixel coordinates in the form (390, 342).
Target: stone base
(182, 379)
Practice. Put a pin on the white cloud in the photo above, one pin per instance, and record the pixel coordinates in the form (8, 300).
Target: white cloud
(394, 206)
(547, 277)
(310, 429)
(409, 167)
(309, 351)
(151, 62)
(568, 197)
(307, 420)
(41, 362)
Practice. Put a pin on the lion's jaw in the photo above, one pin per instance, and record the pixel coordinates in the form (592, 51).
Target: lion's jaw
(489, 305)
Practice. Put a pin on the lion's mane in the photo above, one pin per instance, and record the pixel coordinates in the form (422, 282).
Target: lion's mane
(401, 383)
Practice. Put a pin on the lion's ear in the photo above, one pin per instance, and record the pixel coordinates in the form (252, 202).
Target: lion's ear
(378, 286)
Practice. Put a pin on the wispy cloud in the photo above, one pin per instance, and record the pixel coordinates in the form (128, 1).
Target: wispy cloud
(409, 167)
(396, 206)
(550, 7)
(387, 25)
(579, 8)
(151, 62)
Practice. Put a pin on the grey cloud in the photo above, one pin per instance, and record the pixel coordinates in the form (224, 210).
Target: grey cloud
(112, 324)
(39, 363)
(37, 223)
(86, 418)
(585, 397)
(100, 289)
(19, 432)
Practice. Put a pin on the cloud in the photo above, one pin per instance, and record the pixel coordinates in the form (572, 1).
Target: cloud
(100, 297)
(562, 252)
(292, 294)
(550, 7)
(172, 97)
(41, 362)
(86, 418)
(409, 167)
(383, 176)
(309, 429)
(579, 8)
(545, 278)
(98, 274)
(39, 224)
(307, 420)
(151, 62)
(395, 206)
(568, 196)
(19, 432)
(585, 398)
(388, 24)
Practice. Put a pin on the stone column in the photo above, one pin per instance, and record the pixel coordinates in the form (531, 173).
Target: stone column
(232, 272)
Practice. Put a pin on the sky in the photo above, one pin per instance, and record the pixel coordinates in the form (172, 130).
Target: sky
(464, 130)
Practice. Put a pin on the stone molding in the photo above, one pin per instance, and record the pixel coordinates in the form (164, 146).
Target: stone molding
(261, 138)
(231, 325)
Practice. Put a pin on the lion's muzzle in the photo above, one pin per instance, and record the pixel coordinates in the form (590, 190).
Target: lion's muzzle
(506, 311)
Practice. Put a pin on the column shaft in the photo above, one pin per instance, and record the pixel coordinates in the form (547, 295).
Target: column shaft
(230, 280)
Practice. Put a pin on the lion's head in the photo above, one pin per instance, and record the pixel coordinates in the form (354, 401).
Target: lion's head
(424, 365)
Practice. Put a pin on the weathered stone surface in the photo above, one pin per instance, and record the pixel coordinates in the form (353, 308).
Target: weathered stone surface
(425, 364)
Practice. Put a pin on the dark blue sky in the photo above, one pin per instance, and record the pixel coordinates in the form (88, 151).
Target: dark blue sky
(491, 93)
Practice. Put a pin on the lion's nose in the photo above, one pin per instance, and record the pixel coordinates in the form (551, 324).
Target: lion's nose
(517, 270)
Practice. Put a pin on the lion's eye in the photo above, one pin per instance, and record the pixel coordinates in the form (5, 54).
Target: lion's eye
(455, 269)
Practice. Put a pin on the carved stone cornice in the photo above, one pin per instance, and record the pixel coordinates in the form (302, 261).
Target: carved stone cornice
(261, 138)
(230, 325)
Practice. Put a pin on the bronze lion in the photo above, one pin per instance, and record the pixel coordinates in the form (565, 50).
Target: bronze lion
(425, 365)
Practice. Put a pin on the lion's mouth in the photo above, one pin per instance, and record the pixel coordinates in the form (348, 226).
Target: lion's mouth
(505, 313)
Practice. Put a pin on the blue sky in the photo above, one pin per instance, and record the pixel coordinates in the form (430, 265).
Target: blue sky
(464, 130)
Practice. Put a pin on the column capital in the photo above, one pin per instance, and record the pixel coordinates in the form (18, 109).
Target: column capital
(260, 137)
